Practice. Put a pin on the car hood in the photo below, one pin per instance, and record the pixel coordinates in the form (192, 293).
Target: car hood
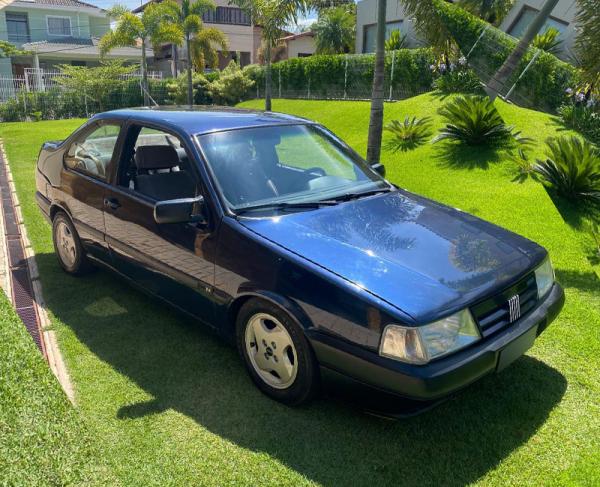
(420, 256)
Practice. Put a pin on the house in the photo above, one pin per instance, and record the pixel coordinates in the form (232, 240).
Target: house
(562, 18)
(299, 45)
(55, 32)
(243, 35)
(396, 19)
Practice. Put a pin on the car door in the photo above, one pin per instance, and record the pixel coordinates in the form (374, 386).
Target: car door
(88, 162)
(174, 261)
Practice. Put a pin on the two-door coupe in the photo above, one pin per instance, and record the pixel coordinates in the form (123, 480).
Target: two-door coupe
(270, 229)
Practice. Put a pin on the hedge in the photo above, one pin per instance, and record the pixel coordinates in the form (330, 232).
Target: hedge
(348, 76)
(542, 87)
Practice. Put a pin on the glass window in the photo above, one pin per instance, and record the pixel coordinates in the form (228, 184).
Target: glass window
(287, 164)
(226, 15)
(526, 17)
(92, 153)
(17, 26)
(370, 34)
(59, 26)
(150, 136)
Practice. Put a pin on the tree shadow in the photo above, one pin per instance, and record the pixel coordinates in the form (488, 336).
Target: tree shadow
(461, 156)
(187, 369)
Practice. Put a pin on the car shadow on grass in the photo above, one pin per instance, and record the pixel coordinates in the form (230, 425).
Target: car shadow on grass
(188, 369)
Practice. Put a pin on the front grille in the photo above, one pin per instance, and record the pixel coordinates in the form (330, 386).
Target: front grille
(493, 314)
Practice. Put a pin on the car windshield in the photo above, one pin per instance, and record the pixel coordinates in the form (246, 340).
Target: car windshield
(285, 166)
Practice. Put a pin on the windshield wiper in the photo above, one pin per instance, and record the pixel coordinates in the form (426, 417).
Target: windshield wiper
(353, 196)
(288, 205)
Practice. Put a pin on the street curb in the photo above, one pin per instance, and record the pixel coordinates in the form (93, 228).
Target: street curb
(49, 345)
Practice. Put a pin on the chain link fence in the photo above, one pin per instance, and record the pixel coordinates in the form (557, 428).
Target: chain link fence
(349, 77)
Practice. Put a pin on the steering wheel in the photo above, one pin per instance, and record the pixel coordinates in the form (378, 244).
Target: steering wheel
(316, 171)
(92, 155)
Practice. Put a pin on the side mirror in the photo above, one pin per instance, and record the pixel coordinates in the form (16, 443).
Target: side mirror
(379, 168)
(179, 210)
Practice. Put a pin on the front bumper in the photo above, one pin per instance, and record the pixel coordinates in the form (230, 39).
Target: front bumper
(446, 375)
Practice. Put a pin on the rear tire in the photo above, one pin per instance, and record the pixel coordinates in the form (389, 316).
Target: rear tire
(276, 353)
(67, 246)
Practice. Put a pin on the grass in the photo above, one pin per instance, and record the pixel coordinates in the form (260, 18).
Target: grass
(168, 403)
(43, 439)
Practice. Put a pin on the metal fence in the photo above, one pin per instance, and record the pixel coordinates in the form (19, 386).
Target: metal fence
(40, 80)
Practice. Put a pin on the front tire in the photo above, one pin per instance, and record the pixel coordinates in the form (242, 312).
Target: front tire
(67, 246)
(276, 353)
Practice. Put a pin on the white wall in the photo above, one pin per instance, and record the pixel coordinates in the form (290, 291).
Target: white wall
(300, 45)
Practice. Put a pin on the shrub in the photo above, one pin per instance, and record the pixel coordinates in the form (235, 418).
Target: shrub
(549, 41)
(177, 90)
(232, 86)
(336, 76)
(571, 168)
(457, 77)
(542, 87)
(583, 118)
(408, 134)
(474, 120)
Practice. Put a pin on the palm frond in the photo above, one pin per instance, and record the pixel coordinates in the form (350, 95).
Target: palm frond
(409, 134)
(571, 168)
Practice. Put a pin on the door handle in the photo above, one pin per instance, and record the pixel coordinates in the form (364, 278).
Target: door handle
(112, 203)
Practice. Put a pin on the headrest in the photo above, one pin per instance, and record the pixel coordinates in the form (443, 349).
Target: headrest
(156, 157)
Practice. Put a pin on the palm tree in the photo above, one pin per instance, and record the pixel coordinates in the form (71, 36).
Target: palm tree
(132, 30)
(273, 16)
(203, 47)
(428, 24)
(492, 11)
(187, 20)
(334, 31)
(496, 84)
(376, 118)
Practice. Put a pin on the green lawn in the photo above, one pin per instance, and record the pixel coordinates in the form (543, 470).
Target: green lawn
(43, 440)
(168, 403)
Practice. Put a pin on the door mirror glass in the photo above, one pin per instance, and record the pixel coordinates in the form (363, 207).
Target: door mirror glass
(183, 210)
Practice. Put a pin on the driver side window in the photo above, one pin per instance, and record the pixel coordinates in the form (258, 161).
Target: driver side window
(93, 152)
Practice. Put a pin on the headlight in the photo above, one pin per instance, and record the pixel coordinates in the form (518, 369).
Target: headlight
(544, 278)
(419, 345)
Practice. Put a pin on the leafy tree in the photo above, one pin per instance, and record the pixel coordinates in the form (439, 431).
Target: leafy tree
(132, 30)
(492, 11)
(95, 83)
(588, 39)
(7, 50)
(335, 31)
(323, 5)
(273, 16)
(395, 41)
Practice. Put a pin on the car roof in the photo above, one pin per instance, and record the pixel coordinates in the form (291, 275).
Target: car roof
(203, 119)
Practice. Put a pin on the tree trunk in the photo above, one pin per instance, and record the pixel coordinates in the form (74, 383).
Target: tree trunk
(499, 80)
(175, 56)
(376, 120)
(268, 77)
(144, 69)
(190, 89)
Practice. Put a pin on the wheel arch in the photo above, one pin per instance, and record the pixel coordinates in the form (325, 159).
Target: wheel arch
(287, 305)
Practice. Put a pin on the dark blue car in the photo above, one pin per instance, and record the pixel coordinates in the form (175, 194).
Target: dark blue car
(272, 231)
